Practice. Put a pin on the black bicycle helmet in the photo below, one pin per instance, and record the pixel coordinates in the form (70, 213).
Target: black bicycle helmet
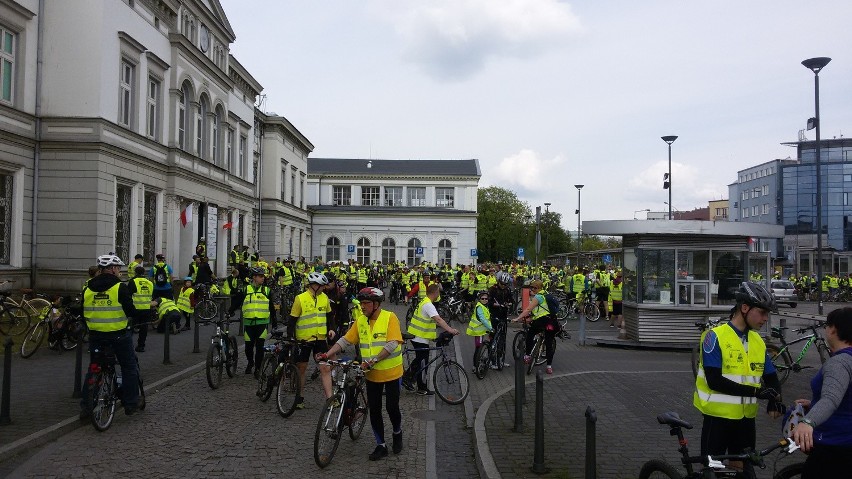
(258, 271)
(754, 294)
(371, 294)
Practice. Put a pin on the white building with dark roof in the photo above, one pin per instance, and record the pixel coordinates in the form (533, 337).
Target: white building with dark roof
(393, 210)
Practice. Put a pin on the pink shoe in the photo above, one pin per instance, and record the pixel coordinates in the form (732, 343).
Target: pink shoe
(549, 370)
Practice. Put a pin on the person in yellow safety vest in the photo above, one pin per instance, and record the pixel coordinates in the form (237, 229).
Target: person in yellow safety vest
(168, 315)
(616, 294)
(602, 280)
(491, 279)
(141, 290)
(405, 280)
(833, 285)
(193, 267)
(481, 283)
(261, 263)
(733, 363)
(256, 311)
(362, 277)
(377, 334)
(464, 281)
(579, 284)
(235, 257)
(309, 322)
(186, 302)
(423, 326)
(480, 324)
(107, 304)
(540, 319)
(277, 266)
(285, 275)
(131, 268)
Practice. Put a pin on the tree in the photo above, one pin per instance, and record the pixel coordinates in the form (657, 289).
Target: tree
(503, 224)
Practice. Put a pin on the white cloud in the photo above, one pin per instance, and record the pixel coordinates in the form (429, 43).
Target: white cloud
(453, 39)
(690, 188)
(526, 172)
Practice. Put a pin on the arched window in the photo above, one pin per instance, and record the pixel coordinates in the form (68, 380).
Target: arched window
(183, 123)
(413, 244)
(332, 249)
(217, 129)
(362, 252)
(445, 252)
(388, 251)
(201, 127)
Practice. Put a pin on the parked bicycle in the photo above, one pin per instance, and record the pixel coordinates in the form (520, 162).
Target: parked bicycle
(347, 407)
(711, 466)
(13, 320)
(105, 388)
(287, 391)
(61, 328)
(222, 354)
(36, 305)
(586, 305)
(781, 357)
(449, 379)
(272, 357)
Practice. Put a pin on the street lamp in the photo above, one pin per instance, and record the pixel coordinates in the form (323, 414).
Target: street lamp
(667, 178)
(816, 65)
(546, 236)
(646, 210)
(579, 245)
(537, 234)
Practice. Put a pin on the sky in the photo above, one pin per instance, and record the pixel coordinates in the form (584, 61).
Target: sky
(547, 94)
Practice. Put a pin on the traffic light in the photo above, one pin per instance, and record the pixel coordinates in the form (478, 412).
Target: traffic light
(666, 182)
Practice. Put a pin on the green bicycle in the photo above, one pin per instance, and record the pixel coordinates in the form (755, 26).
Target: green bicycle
(781, 357)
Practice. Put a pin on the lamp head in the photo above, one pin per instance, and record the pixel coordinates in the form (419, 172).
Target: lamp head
(669, 139)
(816, 64)
(578, 186)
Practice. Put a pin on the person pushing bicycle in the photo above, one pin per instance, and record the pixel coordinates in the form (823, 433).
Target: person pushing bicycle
(538, 315)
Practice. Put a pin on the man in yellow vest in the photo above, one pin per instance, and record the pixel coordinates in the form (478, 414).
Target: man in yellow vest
(309, 322)
(423, 326)
(733, 363)
(168, 315)
(186, 302)
(131, 268)
(142, 290)
(379, 339)
(107, 304)
(256, 311)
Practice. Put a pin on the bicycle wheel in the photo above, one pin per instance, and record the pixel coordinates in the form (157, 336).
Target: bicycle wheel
(500, 351)
(14, 321)
(481, 360)
(38, 307)
(562, 314)
(215, 363)
(33, 339)
(535, 354)
(542, 352)
(233, 357)
(103, 400)
(591, 311)
(781, 359)
(451, 382)
(206, 310)
(288, 390)
(327, 435)
(67, 342)
(658, 469)
(358, 416)
(519, 345)
(266, 379)
(695, 357)
(790, 472)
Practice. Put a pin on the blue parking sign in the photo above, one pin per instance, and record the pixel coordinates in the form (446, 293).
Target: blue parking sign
(607, 258)
(520, 252)
(350, 248)
(418, 251)
(473, 252)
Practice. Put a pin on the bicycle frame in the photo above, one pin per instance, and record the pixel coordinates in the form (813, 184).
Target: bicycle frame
(811, 339)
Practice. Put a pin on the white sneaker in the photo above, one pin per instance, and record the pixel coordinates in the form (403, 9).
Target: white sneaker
(493, 366)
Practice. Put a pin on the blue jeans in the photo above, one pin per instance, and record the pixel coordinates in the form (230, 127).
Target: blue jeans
(122, 345)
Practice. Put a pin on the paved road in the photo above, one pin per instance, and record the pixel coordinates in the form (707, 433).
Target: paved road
(190, 430)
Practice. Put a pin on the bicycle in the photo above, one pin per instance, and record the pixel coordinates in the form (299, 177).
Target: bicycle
(13, 320)
(105, 388)
(712, 466)
(269, 366)
(37, 307)
(449, 379)
(702, 326)
(347, 407)
(222, 354)
(288, 377)
(62, 328)
(586, 306)
(783, 360)
(538, 354)
(205, 308)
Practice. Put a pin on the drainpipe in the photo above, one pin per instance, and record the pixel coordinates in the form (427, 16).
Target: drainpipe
(37, 151)
(259, 180)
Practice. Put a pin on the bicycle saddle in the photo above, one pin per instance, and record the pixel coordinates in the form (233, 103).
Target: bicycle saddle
(672, 419)
(407, 336)
(26, 291)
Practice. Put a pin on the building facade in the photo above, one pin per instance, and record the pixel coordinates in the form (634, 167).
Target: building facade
(393, 210)
(754, 198)
(117, 119)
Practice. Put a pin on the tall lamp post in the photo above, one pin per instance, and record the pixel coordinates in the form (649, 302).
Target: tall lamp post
(667, 179)
(816, 65)
(579, 245)
(546, 236)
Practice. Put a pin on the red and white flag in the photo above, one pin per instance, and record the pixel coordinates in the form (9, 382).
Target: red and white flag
(186, 215)
(227, 225)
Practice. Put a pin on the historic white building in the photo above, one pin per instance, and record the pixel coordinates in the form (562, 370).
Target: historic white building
(393, 210)
(116, 116)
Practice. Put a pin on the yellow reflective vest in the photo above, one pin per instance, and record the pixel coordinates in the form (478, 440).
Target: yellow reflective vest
(311, 325)
(102, 310)
(144, 291)
(184, 302)
(372, 340)
(256, 305)
(421, 325)
(737, 365)
(475, 327)
(166, 306)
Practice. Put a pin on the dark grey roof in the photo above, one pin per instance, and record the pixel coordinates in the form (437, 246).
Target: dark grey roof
(356, 166)
(389, 210)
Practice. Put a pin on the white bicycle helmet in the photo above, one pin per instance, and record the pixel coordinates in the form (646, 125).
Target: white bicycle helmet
(106, 260)
(318, 278)
(504, 277)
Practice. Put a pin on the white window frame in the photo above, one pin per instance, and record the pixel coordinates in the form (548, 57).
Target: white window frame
(371, 195)
(765, 208)
(443, 199)
(229, 149)
(284, 181)
(241, 164)
(416, 201)
(152, 120)
(745, 211)
(745, 194)
(8, 48)
(396, 197)
(126, 92)
(293, 171)
(341, 195)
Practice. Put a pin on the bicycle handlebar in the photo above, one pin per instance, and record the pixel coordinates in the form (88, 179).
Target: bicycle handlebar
(753, 457)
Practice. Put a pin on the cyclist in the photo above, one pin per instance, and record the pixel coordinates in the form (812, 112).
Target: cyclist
(107, 303)
(540, 319)
(141, 290)
(480, 322)
(423, 326)
(728, 385)
(309, 322)
(379, 338)
(500, 300)
(257, 309)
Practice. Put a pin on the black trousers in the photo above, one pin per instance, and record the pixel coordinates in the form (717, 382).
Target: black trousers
(374, 402)
(549, 336)
(142, 319)
(254, 343)
(418, 367)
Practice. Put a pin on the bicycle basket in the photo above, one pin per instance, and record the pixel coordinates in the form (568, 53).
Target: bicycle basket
(444, 339)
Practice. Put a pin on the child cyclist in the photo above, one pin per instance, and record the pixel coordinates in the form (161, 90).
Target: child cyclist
(480, 322)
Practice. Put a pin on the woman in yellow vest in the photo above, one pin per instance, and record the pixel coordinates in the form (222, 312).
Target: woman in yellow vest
(379, 338)
(480, 322)
(733, 363)
(186, 302)
(540, 319)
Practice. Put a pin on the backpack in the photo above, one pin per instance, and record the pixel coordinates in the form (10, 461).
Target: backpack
(161, 277)
(552, 304)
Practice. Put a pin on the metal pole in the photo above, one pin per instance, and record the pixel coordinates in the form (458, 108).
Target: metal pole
(78, 370)
(670, 181)
(5, 418)
(581, 335)
(519, 395)
(538, 448)
(166, 334)
(591, 443)
(818, 196)
(195, 348)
